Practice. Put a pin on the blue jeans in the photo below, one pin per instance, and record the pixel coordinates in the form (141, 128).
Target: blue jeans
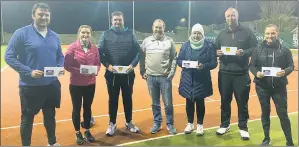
(157, 85)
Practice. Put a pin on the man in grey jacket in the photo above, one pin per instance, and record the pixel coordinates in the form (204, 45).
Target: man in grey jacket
(157, 65)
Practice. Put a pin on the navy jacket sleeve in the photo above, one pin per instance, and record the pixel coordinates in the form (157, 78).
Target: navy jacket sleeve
(137, 49)
(13, 52)
(213, 64)
(102, 50)
(60, 57)
(181, 55)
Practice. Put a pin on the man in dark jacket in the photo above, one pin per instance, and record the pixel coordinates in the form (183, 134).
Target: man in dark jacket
(118, 47)
(233, 77)
(271, 54)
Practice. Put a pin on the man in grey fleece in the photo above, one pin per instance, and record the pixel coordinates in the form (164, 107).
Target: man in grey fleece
(157, 65)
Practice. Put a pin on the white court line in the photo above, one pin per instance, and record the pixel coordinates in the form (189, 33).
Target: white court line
(104, 115)
(139, 110)
(5, 67)
(215, 127)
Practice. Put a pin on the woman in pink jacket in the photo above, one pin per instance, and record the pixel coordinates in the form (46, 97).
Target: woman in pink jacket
(82, 84)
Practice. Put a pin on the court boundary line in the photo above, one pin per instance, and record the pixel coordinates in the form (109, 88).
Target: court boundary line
(182, 133)
(3, 68)
(122, 113)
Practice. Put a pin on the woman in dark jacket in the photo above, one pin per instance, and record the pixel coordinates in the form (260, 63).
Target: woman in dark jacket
(271, 53)
(196, 84)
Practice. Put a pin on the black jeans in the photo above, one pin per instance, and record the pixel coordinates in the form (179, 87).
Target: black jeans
(33, 99)
(87, 94)
(200, 110)
(116, 82)
(279, 97)
(239, 85)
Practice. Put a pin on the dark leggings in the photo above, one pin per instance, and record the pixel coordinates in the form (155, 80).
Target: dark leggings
(200, 110)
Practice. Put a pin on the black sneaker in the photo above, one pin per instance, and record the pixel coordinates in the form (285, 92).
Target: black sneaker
(88, 136)
(266, 142)
(79, 138)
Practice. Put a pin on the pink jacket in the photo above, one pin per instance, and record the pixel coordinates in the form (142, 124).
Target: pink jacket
(75, 56)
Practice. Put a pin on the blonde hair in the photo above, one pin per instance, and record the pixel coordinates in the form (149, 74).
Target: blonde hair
(81, 27)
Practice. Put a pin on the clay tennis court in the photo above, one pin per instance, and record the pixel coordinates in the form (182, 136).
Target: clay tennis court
(142, 113)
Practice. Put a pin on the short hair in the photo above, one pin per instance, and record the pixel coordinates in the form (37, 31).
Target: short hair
(272, 25)
(41, 6)
(84, 26)
(234, 10)
(117, 13)
(159, 20)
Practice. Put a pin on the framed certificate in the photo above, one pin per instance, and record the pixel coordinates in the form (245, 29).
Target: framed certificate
(53, 71)
(270, 71)
(229, 50)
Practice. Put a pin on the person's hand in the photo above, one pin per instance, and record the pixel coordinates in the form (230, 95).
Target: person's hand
(199, 66)
(111, 69)
(239, 52)
(281, 73)
(219, 53)
(37, 74)
(131, 68)
(259, 74)
(144, 76)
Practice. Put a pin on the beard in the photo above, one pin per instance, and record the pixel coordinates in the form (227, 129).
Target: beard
(158, 35)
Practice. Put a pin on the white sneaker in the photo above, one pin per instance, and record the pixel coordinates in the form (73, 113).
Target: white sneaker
(111, 129)
(222, 131)
(56, 144)
(199, 130)
(131, 126)
(244, 135)
(189, 128)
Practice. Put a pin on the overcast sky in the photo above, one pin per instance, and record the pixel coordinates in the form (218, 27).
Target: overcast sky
(66, 17)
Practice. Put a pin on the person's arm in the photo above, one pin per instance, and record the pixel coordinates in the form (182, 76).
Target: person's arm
(290, 63)
(142, 58)
(15, 53)
(137, 48)
(102, 51)
(252, 43)
(213, 64)
(181, 55)
(69, 61)
(253, 62)
(173, 60)
(60, 57)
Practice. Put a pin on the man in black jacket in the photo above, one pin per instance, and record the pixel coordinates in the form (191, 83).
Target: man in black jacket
(271, 54)
(233, 75)
(118, 47)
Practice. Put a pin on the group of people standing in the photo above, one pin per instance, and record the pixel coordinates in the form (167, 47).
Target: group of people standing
(35, 46)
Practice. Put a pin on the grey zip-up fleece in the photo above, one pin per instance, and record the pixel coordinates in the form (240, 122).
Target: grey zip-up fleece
(158, 57)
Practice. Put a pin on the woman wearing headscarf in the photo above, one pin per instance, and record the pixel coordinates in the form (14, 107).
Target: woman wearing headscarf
(195, 83)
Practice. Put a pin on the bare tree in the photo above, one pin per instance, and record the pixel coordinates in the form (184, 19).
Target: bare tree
(275, 9)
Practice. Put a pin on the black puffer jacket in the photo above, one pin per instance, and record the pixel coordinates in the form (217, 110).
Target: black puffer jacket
(274, 55)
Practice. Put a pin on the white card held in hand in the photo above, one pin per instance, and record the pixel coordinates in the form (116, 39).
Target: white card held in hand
(88, 69)
(189, 64)
(53, 71)
(229, 50)
(270, 71)
(121, 69)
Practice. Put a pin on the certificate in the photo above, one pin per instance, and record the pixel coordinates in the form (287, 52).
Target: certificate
(189, 64)
(270, 71)
(53, 71)
(88, 69)
(229, 50)
(121, 69)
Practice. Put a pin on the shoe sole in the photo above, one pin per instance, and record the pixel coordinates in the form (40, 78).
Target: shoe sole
(137, 131)
(155, 131)
(227, 130)
(188, 132)
(245, 138)
(110, 135)
(200, 134)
